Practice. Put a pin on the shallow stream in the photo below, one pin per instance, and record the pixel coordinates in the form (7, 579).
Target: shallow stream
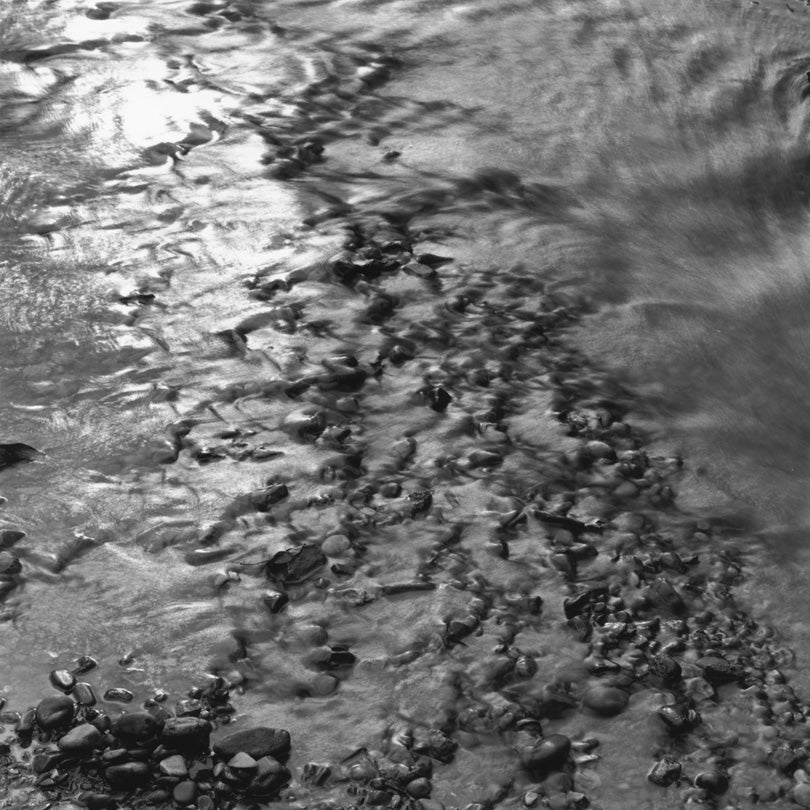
(176, 180)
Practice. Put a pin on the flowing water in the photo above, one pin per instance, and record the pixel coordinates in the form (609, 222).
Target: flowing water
(154, 173)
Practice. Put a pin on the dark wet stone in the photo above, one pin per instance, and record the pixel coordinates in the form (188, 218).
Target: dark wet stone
(605, 700)
(678, 718)
(555, 701)
(10, 537)
(718, 671)
(84, 664)
(662, 595)
(437, 745)
(98, 801)
(242, 761)
(665, 670)
(295, 564)
(17, 453)
(545, 755)
(581, 602)
(186, 733)
(52, 712)
(115, 755)
(185, 793)
(127, 775)
(786, 759)
(484, 458)
(10, 564)
(259, 742)
(265, 498)
(47, 761)
(432, 260)
(118, 695)
(665, 772)
(84, 694)
(314, 774)
(188, 708)
(419, 501)
(437, 398)
(62, 679)
(715, 782)
(136, 727)
(10, 718)
(270, 777)
(82, 739)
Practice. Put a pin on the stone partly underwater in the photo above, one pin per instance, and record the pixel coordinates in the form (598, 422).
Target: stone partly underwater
(425, 381)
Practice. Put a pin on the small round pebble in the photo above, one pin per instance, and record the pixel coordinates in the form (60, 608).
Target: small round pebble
(185, 793)
(801, 794)
(335, 545)
(419, 788)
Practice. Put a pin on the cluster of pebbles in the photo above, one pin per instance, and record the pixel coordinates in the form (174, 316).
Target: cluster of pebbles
(426, 423)
(646, 594)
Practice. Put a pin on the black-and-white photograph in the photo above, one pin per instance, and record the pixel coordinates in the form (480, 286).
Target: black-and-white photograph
(404, 404)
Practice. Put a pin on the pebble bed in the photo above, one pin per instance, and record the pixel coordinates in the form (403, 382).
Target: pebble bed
(512, 537)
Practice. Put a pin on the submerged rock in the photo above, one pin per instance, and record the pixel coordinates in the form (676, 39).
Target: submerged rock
(294, 565)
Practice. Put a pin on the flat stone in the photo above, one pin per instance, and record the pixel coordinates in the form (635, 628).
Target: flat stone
(136, 727)
(127, 775)
(119, 695)
(56, 711)
(83, 739)
(261, 741)
(186, 733)
(174, 766)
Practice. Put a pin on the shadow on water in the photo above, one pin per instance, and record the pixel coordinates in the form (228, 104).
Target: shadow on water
(697, 204)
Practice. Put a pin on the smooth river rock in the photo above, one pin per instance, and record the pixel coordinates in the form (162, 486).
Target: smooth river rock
(259, 742)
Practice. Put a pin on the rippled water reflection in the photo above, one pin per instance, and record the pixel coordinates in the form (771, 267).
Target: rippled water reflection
(161, 182)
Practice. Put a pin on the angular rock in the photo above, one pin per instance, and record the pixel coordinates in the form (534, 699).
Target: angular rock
(717, 671)
(53, 712)
(582, 601)
(259, 742)
(665, 772)
(173, 766)
(83, 739)
(270, 777)
(294, 565)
